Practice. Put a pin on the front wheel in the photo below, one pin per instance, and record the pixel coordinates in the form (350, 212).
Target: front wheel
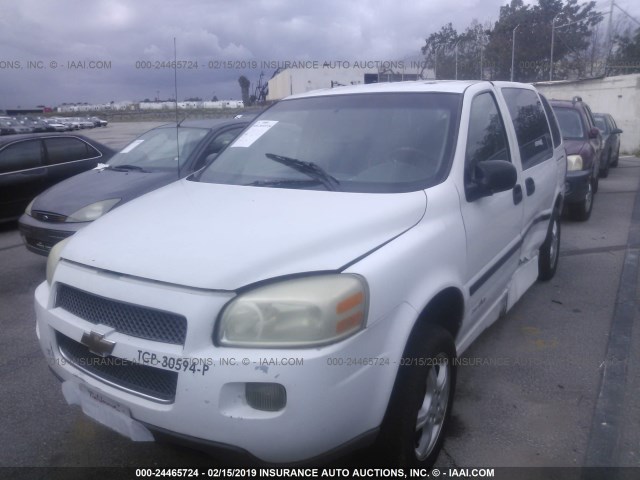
(615, 161)
(414, 427)
(582, 211)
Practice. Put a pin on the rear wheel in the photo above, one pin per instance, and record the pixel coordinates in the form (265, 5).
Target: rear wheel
(550, 250)
(582, 211)
(414, 427)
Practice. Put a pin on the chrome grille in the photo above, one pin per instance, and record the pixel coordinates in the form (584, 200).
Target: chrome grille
(134, 320)
(149, 382)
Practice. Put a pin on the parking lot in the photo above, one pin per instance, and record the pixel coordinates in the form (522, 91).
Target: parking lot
(532, 391)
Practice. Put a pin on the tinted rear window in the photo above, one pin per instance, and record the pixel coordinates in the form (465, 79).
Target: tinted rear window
(21, 156)
(530, 122)
(62, 150)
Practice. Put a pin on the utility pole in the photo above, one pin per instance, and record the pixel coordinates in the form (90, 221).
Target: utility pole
(456, 52)
(610, 34)
(553, 34)
(513, 49)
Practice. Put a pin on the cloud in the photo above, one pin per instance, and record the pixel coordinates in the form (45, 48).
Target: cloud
(127, 33)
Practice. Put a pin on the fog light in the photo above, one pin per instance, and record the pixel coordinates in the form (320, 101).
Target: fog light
(269, 397)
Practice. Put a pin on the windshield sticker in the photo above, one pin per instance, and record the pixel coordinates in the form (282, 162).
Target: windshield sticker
(101, 166)
(131, 146)
(253, 133)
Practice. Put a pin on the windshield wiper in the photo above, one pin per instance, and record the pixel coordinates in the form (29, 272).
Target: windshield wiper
(128, 168)
(285, 182)
(309, 169)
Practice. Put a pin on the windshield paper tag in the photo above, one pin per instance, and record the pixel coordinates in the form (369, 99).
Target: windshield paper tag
(254, 133)
(131, 146)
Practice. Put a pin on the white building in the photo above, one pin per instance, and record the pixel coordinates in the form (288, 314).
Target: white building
(157, 105)
(300, 80)
(125, 105)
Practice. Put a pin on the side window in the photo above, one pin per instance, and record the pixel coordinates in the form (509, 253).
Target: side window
(486, 139)
(601, 124)
(222, 140)
(555, 130)
(21, 156)
(532, 130)
(216, 145)
(613, 122)
(66, 149)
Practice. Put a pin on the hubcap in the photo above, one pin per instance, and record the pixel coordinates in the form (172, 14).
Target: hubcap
(433, 410)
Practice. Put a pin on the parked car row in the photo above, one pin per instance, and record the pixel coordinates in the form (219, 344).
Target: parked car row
(16, 125)
(592, 143)
(147, 163)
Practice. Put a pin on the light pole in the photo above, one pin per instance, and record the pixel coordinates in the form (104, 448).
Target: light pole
(456, 53)
(553, 33)
(435, 59)
(513, 49)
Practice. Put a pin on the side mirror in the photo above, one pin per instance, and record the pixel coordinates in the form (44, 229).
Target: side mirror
(491, 176)
(616, 131)
(594, 133)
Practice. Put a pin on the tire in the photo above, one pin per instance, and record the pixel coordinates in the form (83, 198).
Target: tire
(414, 426)
(550, 250)
(582, 211)
(615, 161)
(604, 172)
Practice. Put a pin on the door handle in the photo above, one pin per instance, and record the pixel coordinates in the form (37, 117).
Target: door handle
(517, 194)
(530, 185)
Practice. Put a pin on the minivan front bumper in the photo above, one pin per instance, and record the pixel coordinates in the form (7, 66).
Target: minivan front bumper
(335, 394)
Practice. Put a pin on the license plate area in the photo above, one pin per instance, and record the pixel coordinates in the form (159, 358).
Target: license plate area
(105, 410)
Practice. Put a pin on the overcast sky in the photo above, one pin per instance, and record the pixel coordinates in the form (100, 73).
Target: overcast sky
(94, 51)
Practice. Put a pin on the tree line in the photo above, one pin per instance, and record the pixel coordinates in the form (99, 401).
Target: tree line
(553, 39)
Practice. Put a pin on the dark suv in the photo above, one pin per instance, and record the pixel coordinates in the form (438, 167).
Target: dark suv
(610, 141)
(583, 143)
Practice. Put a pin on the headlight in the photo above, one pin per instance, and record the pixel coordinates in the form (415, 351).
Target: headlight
(29, 207)
(93, 211)
(296, 313)
(54, 258)
(574, 162)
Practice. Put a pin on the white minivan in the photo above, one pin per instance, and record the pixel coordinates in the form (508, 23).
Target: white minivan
(309, 291)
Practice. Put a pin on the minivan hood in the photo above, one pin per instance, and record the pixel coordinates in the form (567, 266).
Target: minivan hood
(223, 237)
(88, 187)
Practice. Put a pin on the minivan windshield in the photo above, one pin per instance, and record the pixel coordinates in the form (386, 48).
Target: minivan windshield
(157, 149)
(382, 142)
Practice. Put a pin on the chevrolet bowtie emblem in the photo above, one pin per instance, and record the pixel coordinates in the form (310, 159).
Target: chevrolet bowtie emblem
(97, 344)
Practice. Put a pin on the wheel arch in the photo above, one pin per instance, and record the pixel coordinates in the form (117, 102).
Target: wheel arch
(558, 204)
(445, 310)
